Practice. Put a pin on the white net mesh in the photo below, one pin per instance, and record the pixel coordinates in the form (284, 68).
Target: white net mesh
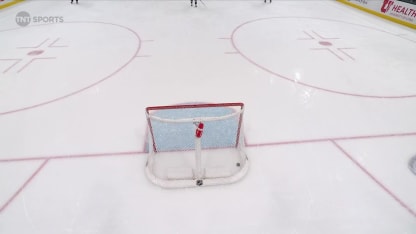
(172, 143)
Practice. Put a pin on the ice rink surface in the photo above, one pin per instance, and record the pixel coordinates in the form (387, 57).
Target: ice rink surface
(330, 118)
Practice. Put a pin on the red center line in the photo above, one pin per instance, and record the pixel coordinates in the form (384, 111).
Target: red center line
(388, 191)
(143, 151)
(332, 139)
(24, 185)
(71, 156)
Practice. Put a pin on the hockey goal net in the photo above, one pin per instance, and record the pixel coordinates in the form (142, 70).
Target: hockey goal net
(195, 144)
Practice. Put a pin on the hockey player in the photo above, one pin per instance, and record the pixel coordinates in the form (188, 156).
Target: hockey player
(270, 1)
(76, 1)
(196, 2)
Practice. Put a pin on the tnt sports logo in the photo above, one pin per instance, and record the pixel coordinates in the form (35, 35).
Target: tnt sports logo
(23, 19)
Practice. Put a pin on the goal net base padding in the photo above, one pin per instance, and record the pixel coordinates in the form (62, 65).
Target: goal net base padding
(179, 158)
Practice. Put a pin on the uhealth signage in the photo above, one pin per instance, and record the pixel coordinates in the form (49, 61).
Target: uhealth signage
(403, 11)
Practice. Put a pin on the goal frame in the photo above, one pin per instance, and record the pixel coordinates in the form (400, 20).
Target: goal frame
(196, 181)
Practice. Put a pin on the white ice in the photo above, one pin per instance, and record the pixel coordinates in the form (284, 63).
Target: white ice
(330, 96)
